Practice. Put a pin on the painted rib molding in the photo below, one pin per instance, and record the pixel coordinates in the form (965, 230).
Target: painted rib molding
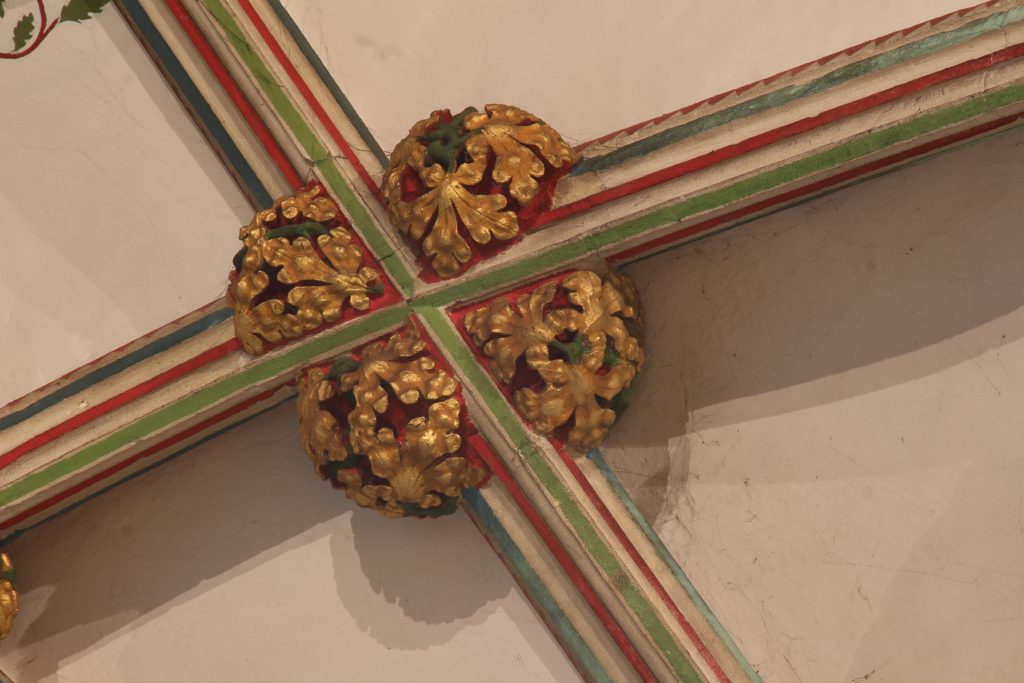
(594, 570)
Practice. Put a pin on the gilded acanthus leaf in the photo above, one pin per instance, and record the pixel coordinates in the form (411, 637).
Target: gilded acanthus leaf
(320, 434)
(449, 157)
(602, 316)
(507, 333)
(297, 270)
(384, 463)
(450, 203)
(391, 363)
(583, 354)
(423, 467)
(341, 278)
(572, 390)
(521, 146)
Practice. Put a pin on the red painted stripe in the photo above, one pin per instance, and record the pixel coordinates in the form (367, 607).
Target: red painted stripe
(639, 561)
(114, 469)
(119, 400)
(111, 356)
(235, 93)
(567, 563)
(791, 71)
(831, 181)
(311, 100)
(776, 135)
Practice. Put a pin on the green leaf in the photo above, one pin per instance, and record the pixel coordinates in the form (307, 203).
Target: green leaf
(1, 9)
(80, 10)
(23, 30)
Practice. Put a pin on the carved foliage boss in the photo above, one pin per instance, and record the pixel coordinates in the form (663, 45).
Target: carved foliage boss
(476, 175)
(569, 351)
(299, 268)
(385, 424)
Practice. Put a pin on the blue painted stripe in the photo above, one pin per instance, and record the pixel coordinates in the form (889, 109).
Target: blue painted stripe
(595, 457)
(107, 371)
(17, 534)
(791, 93)
(172, 68)
(325, 76)
(778, 208)
(581, 653)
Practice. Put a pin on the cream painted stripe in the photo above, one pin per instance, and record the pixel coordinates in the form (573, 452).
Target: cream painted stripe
(562, 589)
(95, 430)
(695, 615)
(78, 373)
(322, 94)
(373, 206)
(690, 188)
(113, 386)
(506, 449)
(631, 613)
(10, 511)
(575, 187)
(362, 140)
(307, 143)
(232, 120)
(232, 380)
(707, 635)
(249, 85)
(820, 69)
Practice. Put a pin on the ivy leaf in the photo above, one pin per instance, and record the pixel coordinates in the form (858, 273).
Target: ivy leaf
(1, 9)
(80, 10)
(23, 31)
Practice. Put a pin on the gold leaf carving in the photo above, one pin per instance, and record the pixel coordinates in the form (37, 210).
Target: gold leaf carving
(512, 137)
(8, 596)
(380, 464)
(523, 329)
(584, 355)
(298, 269)
(510, 142)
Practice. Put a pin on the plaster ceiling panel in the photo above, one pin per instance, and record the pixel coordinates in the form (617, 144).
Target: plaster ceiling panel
(587, 68)
(115, 213)
(828, 440)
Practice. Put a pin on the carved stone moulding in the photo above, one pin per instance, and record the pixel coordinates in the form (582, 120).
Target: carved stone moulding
(388, 426)
(463, 187)
(566, 351)
(8, 596)
(300, 268)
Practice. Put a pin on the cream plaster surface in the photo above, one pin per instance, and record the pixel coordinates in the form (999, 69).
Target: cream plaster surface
(234, 562)
(829, 436)
(116, 215)
(586, 67)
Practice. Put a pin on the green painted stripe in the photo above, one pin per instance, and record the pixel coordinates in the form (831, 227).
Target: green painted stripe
(475, 503)
(595, 456)
(866, 144)
(12, 537)
(203, 399)
(313, 148)
(567, 505)
(332, 86)
(783, 96)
